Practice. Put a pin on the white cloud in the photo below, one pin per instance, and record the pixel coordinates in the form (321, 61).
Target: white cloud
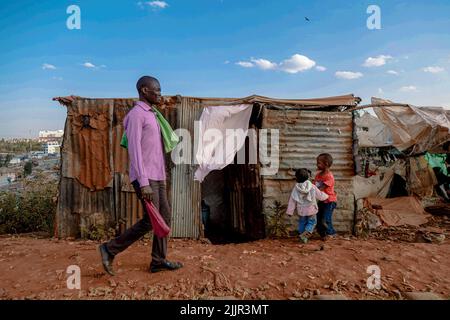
(377, 61)
(321, 68)
(408, 89)
(226, 62)
(48, 66)
(433, 69)
(297, 63)
(349, 75)
(393, 72)
(158, 4)
(57, 78)
(264, 64)
(153, 4)
(245, 64)
(88, 65)
(380, 91)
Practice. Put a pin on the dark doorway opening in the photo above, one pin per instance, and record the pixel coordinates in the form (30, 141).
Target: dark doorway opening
(232, 197)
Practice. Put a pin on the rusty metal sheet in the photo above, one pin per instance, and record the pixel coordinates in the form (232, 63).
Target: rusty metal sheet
(86, 164)
(87, 141)
(78, 206)
(80, 164)
(120, 154)
(129, 209)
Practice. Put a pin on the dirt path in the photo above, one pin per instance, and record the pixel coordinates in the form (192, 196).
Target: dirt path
(268, 269)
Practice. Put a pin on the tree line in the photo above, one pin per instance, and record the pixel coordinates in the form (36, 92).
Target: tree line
(19, 146)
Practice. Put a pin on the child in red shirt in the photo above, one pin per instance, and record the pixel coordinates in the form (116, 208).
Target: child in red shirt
(324, 180)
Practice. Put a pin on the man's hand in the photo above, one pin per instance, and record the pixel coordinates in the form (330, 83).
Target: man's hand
(147, 193)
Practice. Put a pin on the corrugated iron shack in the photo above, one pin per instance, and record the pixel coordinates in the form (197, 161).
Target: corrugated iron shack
(95, 189)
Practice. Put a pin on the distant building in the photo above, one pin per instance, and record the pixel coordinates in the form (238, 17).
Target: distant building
(15, 160)
(37, 154)
(7, 178)
(52, 147)
(49, 135)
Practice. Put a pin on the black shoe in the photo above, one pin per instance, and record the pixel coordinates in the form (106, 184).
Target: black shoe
(107, 259)
(167, 265)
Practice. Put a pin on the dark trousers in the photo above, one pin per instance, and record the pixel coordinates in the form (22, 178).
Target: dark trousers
(325, 219)
(140, 228)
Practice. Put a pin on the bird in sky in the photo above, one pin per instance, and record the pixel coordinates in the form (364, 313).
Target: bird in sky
(307, 19)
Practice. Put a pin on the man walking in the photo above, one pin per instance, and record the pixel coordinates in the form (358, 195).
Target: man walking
(148, 176)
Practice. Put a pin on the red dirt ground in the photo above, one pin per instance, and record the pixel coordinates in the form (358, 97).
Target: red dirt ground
(33, 268)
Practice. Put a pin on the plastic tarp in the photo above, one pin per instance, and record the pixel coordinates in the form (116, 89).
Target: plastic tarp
(371, 132)
(398, 211)
(421, 179)
(222, 133)
(378, 185)
(420, 128)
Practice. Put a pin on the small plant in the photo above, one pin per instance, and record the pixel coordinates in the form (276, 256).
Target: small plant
(96, 232)
(361, 227)
(276, 221)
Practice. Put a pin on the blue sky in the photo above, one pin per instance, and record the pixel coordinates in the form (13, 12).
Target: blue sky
(221, 48)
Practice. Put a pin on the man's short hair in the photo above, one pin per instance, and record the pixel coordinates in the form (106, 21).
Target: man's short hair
(301, 175)
(326, 158)
(145, 80)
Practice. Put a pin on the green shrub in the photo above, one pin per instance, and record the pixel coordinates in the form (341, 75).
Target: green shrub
(29, 210)
(4, 160)
(28, 168)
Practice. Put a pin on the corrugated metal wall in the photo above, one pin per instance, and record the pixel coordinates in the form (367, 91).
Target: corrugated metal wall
(186, 193)
(117, 203)
(78, 206)
(245, 200)
(303, 136)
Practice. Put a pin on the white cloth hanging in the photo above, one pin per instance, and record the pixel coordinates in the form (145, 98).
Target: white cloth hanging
(217, 144)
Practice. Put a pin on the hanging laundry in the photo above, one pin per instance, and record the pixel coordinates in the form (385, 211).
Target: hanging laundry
(217, 146)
